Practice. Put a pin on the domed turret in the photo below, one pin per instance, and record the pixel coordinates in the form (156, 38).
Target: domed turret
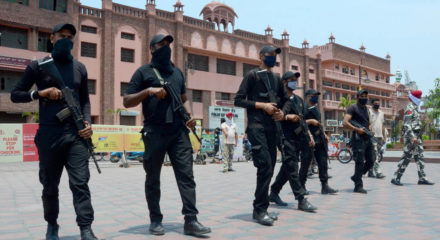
(220, 14)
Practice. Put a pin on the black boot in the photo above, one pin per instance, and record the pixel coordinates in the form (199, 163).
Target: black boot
(262, 218)
(275, 198)
(156, 228)
(326, 189)
(194, 228)
(360, 189)
(52, 232)
(371, 174)
(425, 182)
(87, 233)
(396, 181)
(305, 206)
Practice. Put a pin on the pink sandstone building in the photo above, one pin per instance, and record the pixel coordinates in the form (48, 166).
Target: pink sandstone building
(113, 42)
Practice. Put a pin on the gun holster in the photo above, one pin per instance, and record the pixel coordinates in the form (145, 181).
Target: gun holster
(64, 114)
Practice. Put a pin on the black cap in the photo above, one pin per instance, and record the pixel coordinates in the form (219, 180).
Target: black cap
(269, 48)
(159, 38)
(290, 74)
(312, 92)
(62, 26)
(362, 91)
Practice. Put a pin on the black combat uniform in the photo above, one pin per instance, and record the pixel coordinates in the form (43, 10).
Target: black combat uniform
(363, 149)
(58, 143)
(297, 146)
(165, 132)
(320, 149)
(261, 130)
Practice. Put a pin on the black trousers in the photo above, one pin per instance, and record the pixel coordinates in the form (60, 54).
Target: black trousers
(179, 149)
(300, 149)
(305, 152)
(264, 154)
(59, 148)
(321, 157)
(289, 171)
(364, 157)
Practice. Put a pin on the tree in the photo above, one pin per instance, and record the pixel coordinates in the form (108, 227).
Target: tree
(116, 112)
(432, 104)
(345, 103)
(35, 116)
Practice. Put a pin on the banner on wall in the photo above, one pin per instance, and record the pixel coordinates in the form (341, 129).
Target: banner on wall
(11, 143)
(194, 142)
(333, 149)
(133, 141)
(30, 151)
(108, 138)
(216, 113)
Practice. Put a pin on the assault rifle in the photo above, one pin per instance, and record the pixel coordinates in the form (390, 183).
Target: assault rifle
(263, 75)
(73, 109)
(367, 131)
(176, 102)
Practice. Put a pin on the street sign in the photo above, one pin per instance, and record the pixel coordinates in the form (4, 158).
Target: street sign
(332, 123)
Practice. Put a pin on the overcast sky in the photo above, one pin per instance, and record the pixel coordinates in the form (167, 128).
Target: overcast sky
(406, 29)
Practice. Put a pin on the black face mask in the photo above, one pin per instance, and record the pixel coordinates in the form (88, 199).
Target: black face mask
(363, 101)
(376, 106)
(162, 59)
(61, 50)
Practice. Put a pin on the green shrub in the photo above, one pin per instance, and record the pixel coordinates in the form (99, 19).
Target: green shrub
(389, 145)
(425, 137)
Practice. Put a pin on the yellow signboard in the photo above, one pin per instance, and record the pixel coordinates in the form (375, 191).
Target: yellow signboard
(133, 139)
(108, 138)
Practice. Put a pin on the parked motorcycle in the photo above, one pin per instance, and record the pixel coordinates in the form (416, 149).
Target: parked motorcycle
(135, 156)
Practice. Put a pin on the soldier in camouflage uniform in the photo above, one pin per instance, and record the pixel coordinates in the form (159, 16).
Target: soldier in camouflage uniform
(412, 127)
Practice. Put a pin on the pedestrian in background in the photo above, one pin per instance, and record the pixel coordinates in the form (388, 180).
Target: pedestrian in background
(229, 129)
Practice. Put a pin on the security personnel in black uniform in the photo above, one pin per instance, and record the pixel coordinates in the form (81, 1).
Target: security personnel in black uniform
(295, 146)
(261, 131)
(59, 143)
(363, 149)
(313, 119)
(164, 132)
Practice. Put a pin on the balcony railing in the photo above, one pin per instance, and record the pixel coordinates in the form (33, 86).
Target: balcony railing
(198, 23)
(250, 35)
(89, 11)
(330, 104)
(355, 80)
(334, 105)
(129, 11)
(165, 14)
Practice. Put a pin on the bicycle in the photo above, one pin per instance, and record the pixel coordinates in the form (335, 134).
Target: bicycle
(345, 155)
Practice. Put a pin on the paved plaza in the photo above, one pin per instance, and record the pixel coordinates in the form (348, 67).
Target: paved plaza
(225, 205)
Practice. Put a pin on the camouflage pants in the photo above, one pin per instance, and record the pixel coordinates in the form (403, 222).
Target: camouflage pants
(377, 146)
(409, 151)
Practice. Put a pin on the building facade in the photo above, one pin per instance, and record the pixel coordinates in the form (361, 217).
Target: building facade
(344, 72)
(114, 41)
